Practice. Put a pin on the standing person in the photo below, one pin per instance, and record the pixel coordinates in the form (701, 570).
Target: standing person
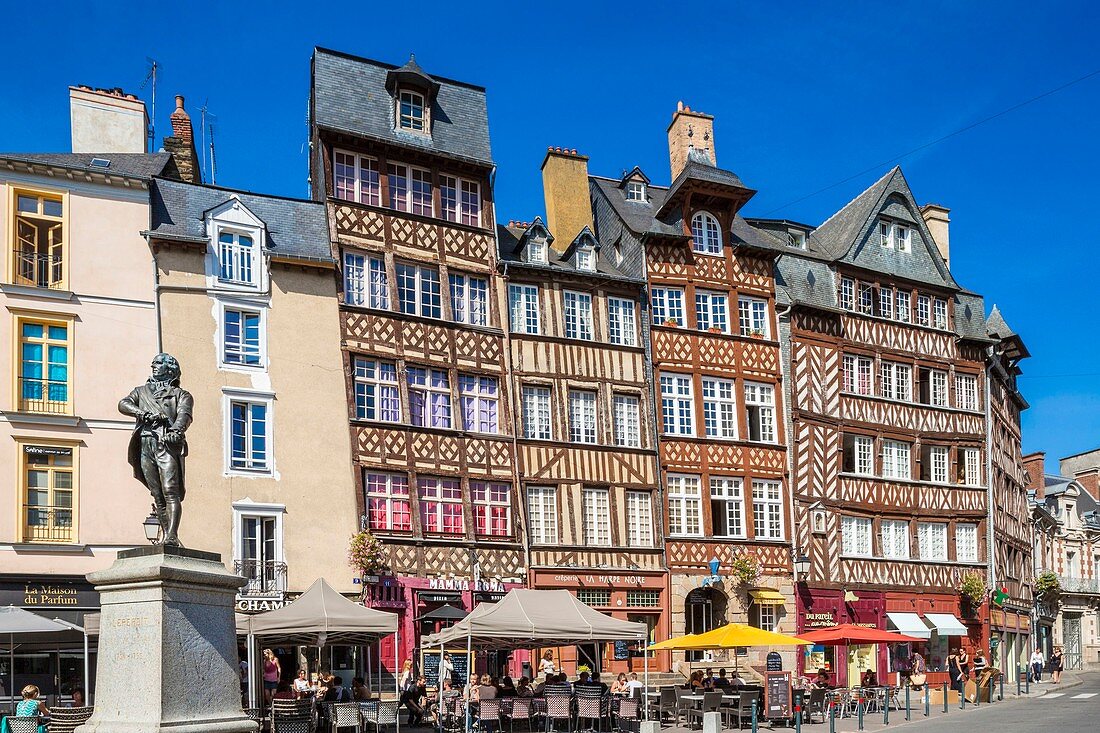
(272, 672)
(31, 707)
(447, 668)
(979, 663)
(1057, 664)
(1038, 661)
(406, 678)
(546, 664)
(964, 664)
(954, 670)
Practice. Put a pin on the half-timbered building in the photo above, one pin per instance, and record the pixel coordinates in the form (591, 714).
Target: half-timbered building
(403, 161)
(587, 453)
(716, 376)
(885, 357)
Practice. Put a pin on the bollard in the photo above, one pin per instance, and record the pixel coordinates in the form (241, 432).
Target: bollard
(991, 685)
(832, 719)
(798, 720)
(927, 701)
(962, 696)
(754, 715)
(886, 707)
(945, 697)
(859, 710)
(907, 703)
(1019, 672)
(1027, 684)
(977, 693)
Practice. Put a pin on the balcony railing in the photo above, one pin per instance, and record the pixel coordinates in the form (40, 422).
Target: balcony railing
(263, 577)
(1079, 585)
(43, 395)
(48, 524)
(38, 270)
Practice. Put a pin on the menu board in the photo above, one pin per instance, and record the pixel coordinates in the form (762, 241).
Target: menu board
(429, 667)
(622, 649)
(775, 662)
(777, 695)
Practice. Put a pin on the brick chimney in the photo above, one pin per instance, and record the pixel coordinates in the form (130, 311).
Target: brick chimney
(565, 190)
(181, 144)
(1034, 468)
(937, 219)
(106, 121)
(689, 130)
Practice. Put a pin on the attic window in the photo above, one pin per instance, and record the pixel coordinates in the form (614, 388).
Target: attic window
(635, 191)
(586, 259)
(796, 239)
(410, 111)
(895, 236)
(536, 250)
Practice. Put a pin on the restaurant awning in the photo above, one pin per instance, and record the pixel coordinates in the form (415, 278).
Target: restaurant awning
(909, 624)
(320, 616)
(945, 624)
(767, 597)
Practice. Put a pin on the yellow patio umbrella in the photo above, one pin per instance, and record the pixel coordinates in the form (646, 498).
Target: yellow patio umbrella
(676, 642)
(735, 635)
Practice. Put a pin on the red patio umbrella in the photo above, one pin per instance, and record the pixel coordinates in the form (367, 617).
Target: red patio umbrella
(851, 634)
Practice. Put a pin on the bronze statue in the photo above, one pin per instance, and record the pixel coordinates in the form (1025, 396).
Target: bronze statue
(157, 446)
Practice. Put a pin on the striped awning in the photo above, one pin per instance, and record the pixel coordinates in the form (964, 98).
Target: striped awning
(767, 597)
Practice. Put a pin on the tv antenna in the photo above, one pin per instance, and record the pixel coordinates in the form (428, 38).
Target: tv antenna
(207, 119)
(213, 160)
(151, 76)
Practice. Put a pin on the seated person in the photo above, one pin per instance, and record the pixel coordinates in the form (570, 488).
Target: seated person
(470, 691)
(359, 689)
(633, 683)
(78, 697)
(595, 682)
(559, 685)
(696, 683)
(524, 689)
(618, 685)
(722, 682)
(821, 681)
(869, 679)
(30, 706)
(507, 688)
(486, 690)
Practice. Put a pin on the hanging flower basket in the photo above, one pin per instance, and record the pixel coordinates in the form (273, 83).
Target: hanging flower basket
(1048, 588)
(973, 590)
(365, 553)
(745, 568)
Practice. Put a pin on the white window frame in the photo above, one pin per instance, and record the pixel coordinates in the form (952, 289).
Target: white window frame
(706, 234)
(966, 543)
(972, 466)
(399, 195)
(939, 313)
(767, 509)
(712, 310)
(622, 328)
(373, 387)
(583, 422)
(469, 202)
(904, 310)
(371, 196)
(487, 489)
(366, 282)
(627, 414)
(535, 251)
(677, 404)
(523, 308)
(243, 267)
(596, 508)
(924, 310)
(863, 449)
(249, 308)
(429, 390)
(586, 259)
(537, 412)
(420, 290)
(896, 459)
(429, 490)
(685, 505)
(719, 408)
(937, 388)
(639, 519)
(248, 509)
(248, 397)
(966, 392)
(760, 398)
(932, 547)
(886, 302)
(416, 123)
(389, 496)
(419, 179)
(847, 295)
(896, 381)
(667, 305)
(542, 515)
(474, 391)
(938, 459)
(752, 316)
(859, 377)
(855, 536)
(466, 305)
(635, 191)
(729, 492)
(577, 315)
(865, 299)
(894, 535)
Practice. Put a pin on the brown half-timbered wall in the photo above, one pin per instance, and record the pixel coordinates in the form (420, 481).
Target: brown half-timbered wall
(822, 413)
(414, 341)
(1013, 547)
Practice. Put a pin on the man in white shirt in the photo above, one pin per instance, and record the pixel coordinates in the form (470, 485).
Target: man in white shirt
(1037, 664)
(632, 683)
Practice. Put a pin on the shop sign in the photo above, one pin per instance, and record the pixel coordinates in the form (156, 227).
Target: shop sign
(258, 605)
(463, 584)
(612, 580)
(818, 620)
(48, 595)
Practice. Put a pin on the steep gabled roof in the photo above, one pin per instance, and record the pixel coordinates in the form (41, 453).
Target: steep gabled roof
(349, 95)
(638, 216)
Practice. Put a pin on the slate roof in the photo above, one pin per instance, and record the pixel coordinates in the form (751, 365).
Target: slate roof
(802, 280)
(295, 228)
(129, 165)
(350, 95)
(970, 316)
(638, 216)
(508, 237)
(997, 325)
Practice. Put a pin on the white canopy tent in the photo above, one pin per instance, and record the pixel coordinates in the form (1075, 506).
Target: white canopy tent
(15, 621)
(318, 617)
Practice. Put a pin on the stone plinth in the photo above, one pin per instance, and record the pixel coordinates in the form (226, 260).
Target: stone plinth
(167, 646)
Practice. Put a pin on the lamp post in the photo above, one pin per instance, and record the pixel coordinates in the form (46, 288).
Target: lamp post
(152, 526)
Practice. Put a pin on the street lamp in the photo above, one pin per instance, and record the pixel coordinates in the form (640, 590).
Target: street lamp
(802, 567)
(152, 527)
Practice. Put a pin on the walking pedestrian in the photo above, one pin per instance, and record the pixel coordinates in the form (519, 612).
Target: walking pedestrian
(546, 664)
(955, 671)
(272, 673)
(964, 664)
(1037, 664)
(1057, 664)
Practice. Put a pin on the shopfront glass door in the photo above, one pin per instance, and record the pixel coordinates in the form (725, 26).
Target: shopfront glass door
(861, 658)
(1071, 634)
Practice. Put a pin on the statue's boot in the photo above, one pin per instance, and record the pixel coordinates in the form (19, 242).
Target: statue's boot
(171, 528)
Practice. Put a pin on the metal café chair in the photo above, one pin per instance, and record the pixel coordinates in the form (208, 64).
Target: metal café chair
(67, 720)
(559, 707)
(711, 702)
(453, 716)
(488, 715)
(743, 710)
(682, 705)
(380, 713)
(590, 707)
(522, 709)
(666, 703)
(344, 715)
(816, 705)
(627, 716)
(292, 724)
(23, 724)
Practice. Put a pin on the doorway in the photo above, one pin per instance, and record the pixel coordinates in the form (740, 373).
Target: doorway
(591, 656)
(704, 609)
(1071, 637)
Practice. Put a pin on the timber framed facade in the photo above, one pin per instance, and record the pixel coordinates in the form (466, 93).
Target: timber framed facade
(403, 161)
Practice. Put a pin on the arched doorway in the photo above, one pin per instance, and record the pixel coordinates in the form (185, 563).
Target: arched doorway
(704, 609)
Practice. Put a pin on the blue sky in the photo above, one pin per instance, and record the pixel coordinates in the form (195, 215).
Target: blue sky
(805, 95)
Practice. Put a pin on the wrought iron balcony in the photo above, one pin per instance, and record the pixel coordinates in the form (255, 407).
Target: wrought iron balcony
(38, 270)
(43, 395)
(263, 577)
(1079, 585)
(47, 523)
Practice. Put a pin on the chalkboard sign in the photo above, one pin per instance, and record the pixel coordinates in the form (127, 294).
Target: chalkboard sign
(777, 695)
(429, 667)
(622, 650)
(775, 662)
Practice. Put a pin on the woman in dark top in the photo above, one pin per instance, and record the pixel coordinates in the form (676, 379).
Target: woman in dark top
(964, 664)
(954, 670)
(507, 688)
(1056, 665)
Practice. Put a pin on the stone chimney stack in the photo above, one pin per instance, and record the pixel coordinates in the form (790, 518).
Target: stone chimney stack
(181, 144)
(937, 219)
(1034, 468)
(565, 190)
(689, 130)
(106, 121)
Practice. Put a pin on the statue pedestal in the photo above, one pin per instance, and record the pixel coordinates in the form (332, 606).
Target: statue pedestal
(167, 647)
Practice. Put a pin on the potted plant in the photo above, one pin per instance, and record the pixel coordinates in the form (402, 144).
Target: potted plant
(973, 590)
(671, 323)
(714, 329)
(756, 333)
(365, 554)
(745, 568)
(1048, 589)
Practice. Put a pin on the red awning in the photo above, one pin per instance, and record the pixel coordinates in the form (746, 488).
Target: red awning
(846, 634)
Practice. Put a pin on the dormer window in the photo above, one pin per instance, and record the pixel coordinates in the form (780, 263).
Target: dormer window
(536, 251)
(410, 112)
(635, 191)
(796, 239)
(706, 235)
(236, 258)
(586, 260)
(893, 235)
